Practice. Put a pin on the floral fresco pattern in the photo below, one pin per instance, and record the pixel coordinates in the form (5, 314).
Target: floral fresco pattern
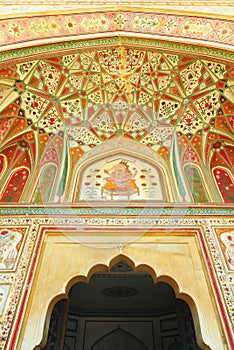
(60, 102)
(60, 107)
(225, 184)
(15, 186)
(44, 187)
(13, 30)
(196, 184)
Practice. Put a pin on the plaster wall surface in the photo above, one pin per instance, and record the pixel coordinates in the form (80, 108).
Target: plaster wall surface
(175, 259)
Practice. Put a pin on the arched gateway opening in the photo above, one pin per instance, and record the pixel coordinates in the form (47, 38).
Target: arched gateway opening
(121, 309)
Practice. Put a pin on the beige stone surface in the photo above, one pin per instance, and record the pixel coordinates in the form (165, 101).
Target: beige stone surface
(174, 259)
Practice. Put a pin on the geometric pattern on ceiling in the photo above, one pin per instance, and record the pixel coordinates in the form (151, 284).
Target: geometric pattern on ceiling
(152, 96)
(96, 95)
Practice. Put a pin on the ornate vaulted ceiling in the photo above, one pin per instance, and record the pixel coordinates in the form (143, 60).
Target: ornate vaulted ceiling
(60, 101)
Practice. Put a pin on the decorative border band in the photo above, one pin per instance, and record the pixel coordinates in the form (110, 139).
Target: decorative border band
(44, 26)
(115, 41)
(164, 210)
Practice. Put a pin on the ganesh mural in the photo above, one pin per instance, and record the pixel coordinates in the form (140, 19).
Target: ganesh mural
(121, 179)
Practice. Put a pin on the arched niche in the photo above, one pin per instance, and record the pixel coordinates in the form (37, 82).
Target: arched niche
(121, 170)
(225, 183)
(3, 164)
(15, 185)
(45, 183)
(196, 183)
(119, 339)
(135, 268)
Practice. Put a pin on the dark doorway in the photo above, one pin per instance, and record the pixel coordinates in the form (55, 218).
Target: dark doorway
(121, 310)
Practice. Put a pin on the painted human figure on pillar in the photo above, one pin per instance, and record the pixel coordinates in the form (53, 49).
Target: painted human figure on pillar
(10, 242)
(228, 240)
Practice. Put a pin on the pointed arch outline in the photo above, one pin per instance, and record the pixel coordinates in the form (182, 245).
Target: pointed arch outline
(203, 181)
(32, 197)
(8, 179)
(136, 268)
(112, 149)
(122, 331)
(4, 165)
(216, 183)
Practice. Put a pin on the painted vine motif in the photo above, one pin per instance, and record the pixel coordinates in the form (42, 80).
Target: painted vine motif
(75, 102)
(15, 186)
(14, 29)
(45, 184)
(196, 184)
(225, 184)
(2, 164)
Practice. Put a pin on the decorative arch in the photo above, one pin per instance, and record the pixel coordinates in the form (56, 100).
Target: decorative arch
(119, 337)
(15, 185)
(3, 164)
(148, 81)
(146, 173)
(136, 268)
(145, 23)
(196, 183)
(46, 180)
(35, 44)
(225, 183)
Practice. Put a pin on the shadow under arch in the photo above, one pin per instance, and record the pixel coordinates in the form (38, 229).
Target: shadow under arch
(102, 268)
(119, 334)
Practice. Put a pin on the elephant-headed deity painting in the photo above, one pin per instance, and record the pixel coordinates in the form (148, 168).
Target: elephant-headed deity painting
(122, 178)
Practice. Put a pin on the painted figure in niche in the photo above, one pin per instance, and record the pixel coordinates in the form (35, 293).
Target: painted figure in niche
(120, 180)
(9, 248)
(121, 177)
(228, 240)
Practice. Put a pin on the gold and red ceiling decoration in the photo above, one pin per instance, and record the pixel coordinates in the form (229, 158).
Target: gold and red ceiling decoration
(59, 101)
